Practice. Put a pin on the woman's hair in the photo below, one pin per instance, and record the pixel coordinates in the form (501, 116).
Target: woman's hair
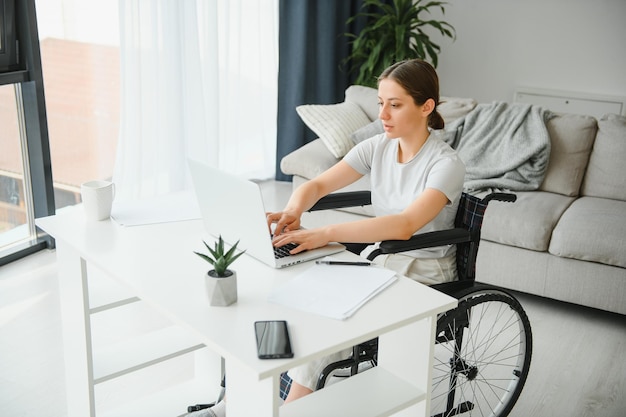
(420, 80)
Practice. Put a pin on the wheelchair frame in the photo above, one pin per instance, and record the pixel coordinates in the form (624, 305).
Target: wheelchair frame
(487, 337)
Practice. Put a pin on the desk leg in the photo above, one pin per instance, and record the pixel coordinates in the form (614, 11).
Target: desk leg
(246, 396)
(74, 295)
(408, 353)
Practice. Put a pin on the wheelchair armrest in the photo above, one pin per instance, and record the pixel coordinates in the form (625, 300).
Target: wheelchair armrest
(506, 197)
(363, 198)
(423, 240)
(341, 200)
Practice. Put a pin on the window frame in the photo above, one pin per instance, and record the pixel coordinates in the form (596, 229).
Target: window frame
(29, 90)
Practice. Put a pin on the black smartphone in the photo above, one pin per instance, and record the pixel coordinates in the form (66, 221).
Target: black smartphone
(272, 339)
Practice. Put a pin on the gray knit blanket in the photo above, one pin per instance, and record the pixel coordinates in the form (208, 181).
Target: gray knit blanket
(504, 146)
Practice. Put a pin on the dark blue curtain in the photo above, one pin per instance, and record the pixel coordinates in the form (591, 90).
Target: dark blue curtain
(312, 47)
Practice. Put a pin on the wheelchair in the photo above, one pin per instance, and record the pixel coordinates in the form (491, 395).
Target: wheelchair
(483, 347)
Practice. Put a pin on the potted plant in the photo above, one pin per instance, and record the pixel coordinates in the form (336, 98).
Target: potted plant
(221, 282)
(396, 33)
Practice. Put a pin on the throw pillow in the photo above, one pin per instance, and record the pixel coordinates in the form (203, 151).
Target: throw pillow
(571, 137)
(334, 123)
(606, 171)
(367, 131)
(451, 108)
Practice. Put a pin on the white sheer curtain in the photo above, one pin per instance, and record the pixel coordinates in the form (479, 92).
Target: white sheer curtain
(199, 79)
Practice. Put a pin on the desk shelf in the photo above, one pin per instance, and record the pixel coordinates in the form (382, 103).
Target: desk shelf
(141, 341)
(142, 351)
(373, 393)
(106, 294)
(168, 402)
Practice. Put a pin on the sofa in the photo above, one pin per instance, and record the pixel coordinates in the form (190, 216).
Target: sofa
(564, 240)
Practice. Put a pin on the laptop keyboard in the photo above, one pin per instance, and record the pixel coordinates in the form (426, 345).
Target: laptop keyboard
(282, 251)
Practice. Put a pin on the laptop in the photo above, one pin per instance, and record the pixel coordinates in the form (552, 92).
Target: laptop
(233, 208)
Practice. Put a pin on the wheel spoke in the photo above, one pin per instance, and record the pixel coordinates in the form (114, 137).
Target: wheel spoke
(481, 372)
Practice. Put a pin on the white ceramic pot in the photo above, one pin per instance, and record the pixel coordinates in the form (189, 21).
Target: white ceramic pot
(222, 291)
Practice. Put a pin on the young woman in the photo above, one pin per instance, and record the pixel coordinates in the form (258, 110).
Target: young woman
(416, 183)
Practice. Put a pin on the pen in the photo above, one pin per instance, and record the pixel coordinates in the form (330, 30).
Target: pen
(343, 263)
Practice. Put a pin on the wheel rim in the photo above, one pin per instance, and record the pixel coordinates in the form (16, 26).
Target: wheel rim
(481, 371)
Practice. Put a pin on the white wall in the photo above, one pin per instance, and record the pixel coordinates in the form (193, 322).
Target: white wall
(573, 45)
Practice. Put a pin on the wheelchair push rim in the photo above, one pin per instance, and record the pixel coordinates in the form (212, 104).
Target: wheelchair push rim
(482, 355)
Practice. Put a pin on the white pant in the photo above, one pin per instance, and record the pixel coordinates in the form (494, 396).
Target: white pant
(426, 271)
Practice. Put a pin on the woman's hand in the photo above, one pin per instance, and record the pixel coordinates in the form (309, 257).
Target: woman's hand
(305, 239)
(284, 220)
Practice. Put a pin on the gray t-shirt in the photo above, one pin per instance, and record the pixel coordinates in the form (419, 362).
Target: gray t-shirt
(395, 185)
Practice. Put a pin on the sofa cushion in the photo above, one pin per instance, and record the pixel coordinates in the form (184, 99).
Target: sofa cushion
(366, 98)
(571, 137)
(308, 161)
(607, 170)
(527, 223)
(334, 123)
(592, 229)
(451, 108)
(372, 129)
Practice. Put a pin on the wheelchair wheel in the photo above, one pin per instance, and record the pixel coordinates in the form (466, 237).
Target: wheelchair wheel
(482, 355)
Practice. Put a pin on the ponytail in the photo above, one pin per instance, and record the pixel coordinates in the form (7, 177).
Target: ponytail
(435, 120)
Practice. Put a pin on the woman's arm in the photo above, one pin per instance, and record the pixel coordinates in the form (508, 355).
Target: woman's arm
(307, 194)
(397, 226)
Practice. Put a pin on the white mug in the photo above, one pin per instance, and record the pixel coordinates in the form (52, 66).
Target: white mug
(97, 199)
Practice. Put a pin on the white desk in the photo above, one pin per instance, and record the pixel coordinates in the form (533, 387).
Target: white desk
(157, 263)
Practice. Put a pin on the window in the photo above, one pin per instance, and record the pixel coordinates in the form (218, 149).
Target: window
(79, 50)
(14, 216)
(79, 42)
(81, 82)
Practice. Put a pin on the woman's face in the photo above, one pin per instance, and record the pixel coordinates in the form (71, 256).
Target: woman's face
(400, 115)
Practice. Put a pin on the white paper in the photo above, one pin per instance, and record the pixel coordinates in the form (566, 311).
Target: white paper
(335, 291)
(160, 209)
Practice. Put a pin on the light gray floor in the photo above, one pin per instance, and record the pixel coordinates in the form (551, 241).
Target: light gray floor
(578, 366)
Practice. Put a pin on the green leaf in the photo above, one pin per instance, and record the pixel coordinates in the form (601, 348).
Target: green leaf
(218, 258)
(206, 258)
(393, 33)
(220, 266)
(235, 257)
(231, 251)
(213, 253)
(220, 246)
